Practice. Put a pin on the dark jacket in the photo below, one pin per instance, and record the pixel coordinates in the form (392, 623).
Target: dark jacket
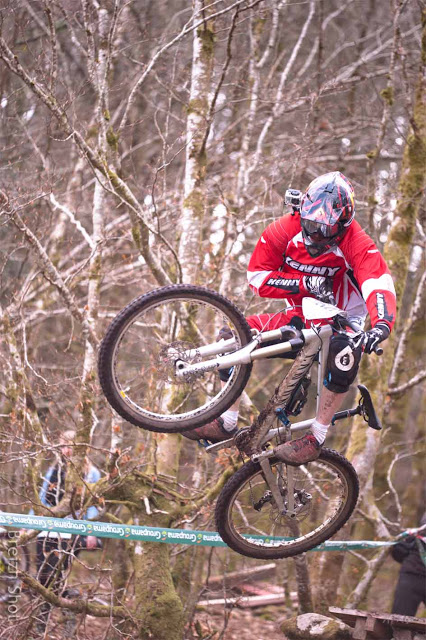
(407, 552)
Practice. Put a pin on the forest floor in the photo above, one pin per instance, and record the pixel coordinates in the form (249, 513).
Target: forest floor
(217, 624)
(242, 624)
(236, 624)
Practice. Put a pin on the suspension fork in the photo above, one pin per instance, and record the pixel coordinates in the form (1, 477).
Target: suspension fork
(273, 486)
(263, 460)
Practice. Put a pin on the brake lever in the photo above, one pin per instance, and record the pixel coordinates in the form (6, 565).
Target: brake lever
(344, 322)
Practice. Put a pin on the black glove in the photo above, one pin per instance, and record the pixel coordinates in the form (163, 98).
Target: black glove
(225, 333)
(320, 287)
(373, 337)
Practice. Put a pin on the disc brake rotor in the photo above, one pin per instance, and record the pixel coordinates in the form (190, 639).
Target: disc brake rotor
(170, 354)
(303, 505)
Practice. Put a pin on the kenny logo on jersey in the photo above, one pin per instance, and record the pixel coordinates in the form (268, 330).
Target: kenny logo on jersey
(290, 284)
(312, 269)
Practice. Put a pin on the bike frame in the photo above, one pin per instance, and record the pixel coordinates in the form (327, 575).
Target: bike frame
(315, 342)
(253, 352)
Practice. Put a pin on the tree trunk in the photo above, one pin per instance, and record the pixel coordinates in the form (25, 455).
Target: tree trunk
(195, 166)
(364, 443)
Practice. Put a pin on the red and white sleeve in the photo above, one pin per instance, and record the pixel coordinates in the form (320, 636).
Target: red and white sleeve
(264, 273)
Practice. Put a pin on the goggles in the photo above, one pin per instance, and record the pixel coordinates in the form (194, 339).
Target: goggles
(318, 231)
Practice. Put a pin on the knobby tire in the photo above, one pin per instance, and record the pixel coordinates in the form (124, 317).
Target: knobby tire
(225, 510)
(143, 417)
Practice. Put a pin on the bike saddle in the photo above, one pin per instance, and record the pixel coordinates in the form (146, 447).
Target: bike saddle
(365, 409)
(368, 411)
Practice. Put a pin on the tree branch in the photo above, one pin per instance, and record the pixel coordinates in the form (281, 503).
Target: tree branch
(79, 606)
(407, 385)
(185, 30)
(52, 275)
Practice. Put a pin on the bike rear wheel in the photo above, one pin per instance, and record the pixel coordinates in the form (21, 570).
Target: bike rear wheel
(248, 520)
(138, 355)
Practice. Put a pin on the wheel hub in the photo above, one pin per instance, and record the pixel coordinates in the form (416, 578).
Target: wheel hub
(175, 354)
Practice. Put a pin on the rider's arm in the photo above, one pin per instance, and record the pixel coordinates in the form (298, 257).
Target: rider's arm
(264, 273)
(44, 489)
(372, 274)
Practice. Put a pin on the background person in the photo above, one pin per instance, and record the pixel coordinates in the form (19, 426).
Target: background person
(55, 550)
(410, 590)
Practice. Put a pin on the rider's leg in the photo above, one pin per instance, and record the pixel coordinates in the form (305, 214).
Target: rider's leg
(308, 447)
(230, 417)
(330, 402)
(225, 427)
(220, 429)
(342, 367)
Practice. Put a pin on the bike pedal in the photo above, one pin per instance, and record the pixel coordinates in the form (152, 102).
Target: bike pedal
(243, 442)
(368, 411)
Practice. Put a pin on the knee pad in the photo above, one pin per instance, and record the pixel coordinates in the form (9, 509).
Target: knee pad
(342, 363)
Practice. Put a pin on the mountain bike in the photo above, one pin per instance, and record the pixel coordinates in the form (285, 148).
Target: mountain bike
(158, 368)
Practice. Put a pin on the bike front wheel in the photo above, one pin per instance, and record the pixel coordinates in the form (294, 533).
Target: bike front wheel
(139, 354)
(325, 495)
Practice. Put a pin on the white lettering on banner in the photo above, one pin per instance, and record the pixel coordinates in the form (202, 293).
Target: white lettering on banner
(260, 541)
(18, 519)
(65, 524)
(147, 532)
(310, 268)
(109, 528)
(212, 538)
(182, 535)
(37, 521)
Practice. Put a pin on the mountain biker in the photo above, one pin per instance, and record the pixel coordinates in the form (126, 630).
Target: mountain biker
(322, 252)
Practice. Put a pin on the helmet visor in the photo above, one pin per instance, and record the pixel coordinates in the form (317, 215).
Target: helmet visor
(318, 231)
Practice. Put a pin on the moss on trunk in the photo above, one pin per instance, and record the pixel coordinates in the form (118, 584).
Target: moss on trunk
(157, 605)
(364, 445)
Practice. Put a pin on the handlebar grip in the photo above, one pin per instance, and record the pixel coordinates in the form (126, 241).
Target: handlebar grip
(378, 351)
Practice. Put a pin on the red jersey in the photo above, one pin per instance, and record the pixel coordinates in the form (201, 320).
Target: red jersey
(361, 279)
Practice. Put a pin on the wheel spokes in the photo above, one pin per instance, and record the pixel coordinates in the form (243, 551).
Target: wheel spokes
(319, 496)
(150, 346)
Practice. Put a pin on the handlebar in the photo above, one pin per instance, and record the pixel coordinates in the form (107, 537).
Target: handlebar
(348, 323)
(345, 322)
